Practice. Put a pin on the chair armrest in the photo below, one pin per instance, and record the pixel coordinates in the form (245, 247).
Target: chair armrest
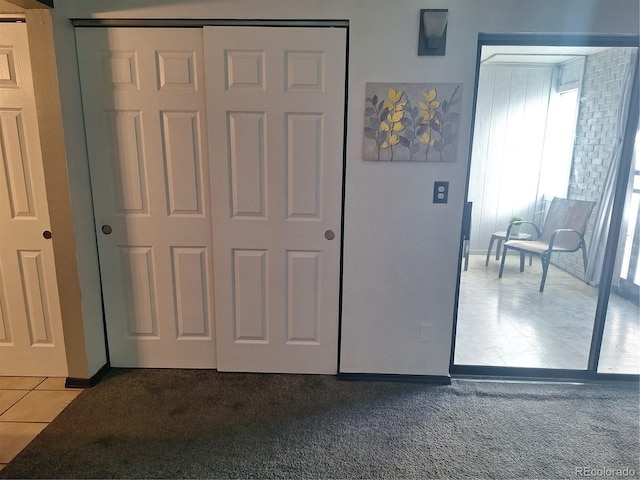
(552, 238)
(521, 222)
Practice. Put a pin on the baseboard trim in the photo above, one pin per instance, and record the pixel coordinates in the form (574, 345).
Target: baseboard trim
(76, 382)
(393, 377)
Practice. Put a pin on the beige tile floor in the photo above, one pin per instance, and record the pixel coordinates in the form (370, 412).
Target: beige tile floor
(27, 406)
(508, 322)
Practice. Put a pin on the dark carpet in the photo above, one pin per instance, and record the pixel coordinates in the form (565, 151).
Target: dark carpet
(205, 424)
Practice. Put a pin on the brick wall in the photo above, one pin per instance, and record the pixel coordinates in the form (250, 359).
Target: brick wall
(595, 137)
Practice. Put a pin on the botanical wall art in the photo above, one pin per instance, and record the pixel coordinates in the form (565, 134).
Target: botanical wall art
(411, 122)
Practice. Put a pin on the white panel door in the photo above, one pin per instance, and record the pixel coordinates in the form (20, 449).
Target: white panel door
(31, 337)
(143, 94)
(275, 99)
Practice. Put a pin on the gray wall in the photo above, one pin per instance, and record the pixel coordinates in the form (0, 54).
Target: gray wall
(400, 250)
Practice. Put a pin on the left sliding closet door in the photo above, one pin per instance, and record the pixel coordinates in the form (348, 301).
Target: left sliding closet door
(143, 93)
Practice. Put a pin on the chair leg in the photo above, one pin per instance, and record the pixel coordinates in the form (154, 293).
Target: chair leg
(584, 257)
(486, 262)
(521, 261)
(498, 248)
(466, 249)
(504, 255)
(545, 258)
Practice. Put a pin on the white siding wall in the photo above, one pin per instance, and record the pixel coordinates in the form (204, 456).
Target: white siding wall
(511, 120)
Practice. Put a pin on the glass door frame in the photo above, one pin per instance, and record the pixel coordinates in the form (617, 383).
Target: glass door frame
(604, 289)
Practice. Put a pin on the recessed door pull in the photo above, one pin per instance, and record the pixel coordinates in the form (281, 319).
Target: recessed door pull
(329, 235)
(106, 229)
(46, 234)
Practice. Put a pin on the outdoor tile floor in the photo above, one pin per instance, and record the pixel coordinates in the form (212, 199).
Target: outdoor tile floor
(508, 322)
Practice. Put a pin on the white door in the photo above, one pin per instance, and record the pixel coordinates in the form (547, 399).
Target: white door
(143, 94)
(275, 101)
(31, 337)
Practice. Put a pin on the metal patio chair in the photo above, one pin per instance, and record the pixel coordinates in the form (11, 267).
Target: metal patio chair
(562, 232)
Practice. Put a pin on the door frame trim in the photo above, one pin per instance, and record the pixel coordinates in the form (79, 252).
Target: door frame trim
(199, 23)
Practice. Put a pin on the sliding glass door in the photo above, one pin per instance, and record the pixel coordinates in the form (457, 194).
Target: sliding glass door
(549, 122)
(620, 352)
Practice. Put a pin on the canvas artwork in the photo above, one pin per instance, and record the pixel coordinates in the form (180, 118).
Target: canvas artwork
(411, 122)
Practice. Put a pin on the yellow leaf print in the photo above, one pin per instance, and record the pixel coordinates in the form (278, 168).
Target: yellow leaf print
(396, 117)
(398, 127)
(423, 106)
(400, 106)
(388, 105)
(434, 105)
(427, 115)
(385, 145)
(394, 95)
(394, 140)
(424, 138)
(430, 95)
(384, 127)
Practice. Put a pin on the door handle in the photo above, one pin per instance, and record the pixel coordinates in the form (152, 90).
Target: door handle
(106, 229)
(46, 234)
(329, 235)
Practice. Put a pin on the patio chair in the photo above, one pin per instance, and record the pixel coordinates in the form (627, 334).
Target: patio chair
(562, 232)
